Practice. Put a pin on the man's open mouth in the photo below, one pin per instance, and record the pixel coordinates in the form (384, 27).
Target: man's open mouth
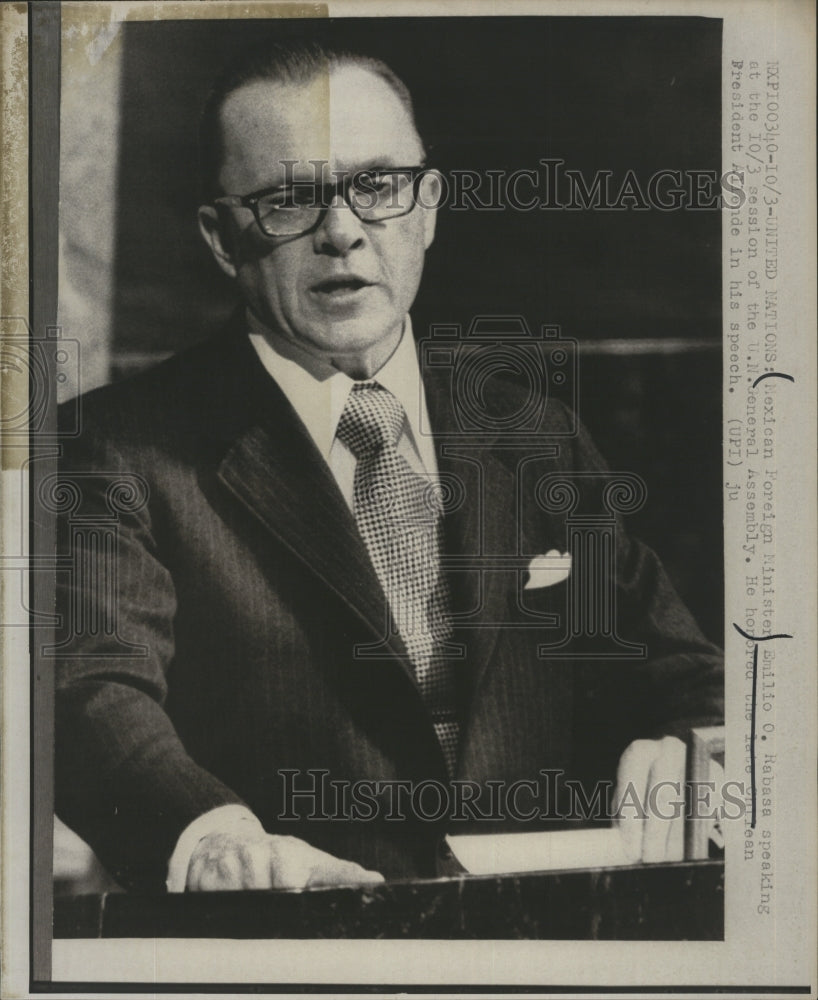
(337, 285)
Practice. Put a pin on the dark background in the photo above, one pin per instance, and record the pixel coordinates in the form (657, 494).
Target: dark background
(641, 291)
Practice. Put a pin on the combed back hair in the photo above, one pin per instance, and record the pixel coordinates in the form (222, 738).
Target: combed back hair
(292, 62)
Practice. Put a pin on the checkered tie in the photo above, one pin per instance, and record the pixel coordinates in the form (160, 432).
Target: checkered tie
(398, 514)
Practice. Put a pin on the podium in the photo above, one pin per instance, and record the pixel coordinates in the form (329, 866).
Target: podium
(663, 902)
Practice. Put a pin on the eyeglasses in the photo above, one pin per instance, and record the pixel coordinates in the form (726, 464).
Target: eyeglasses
(299, 207)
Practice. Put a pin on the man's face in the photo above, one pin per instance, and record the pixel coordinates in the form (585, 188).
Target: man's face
(350, 119)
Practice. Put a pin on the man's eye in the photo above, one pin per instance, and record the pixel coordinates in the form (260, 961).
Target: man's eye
(374, 183)
(276, 203)
(291, 198)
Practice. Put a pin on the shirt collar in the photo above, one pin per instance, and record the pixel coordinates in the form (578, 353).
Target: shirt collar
(318, 392)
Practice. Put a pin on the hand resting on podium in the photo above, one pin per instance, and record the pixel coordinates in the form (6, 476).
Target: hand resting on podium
(259, 860)
(649, 800)
(650, 824)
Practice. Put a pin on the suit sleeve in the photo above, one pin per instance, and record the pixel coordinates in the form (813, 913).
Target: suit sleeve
(679, 682)
(124, 780)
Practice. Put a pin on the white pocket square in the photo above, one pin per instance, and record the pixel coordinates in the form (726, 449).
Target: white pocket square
(545, 571)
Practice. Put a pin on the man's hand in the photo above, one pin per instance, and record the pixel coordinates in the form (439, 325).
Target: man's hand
(649, 800)
(223, 861)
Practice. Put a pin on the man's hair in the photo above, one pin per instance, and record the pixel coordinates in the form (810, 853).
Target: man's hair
(290, 62)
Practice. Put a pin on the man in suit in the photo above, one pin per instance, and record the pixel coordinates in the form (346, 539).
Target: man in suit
(292, 611)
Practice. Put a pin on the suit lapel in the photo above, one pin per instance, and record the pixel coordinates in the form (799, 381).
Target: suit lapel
(481, 526)
(273, 468)
(485, 530)
(270, 464)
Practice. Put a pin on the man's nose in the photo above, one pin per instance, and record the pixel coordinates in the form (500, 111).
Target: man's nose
(340, 230)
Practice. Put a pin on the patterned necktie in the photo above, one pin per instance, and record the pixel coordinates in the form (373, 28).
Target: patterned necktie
(398, 514)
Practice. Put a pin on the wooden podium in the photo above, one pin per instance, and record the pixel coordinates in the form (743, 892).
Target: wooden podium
(666, 902)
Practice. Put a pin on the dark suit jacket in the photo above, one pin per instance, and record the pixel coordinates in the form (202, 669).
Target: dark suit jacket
(221, 650)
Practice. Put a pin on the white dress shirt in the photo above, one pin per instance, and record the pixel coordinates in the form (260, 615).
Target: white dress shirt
(318, 393)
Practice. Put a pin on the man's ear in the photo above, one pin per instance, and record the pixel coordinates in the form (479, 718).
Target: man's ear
(214, 233)
(429, 195)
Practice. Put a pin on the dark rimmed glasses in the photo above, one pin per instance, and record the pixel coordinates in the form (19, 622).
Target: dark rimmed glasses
(299, 207)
